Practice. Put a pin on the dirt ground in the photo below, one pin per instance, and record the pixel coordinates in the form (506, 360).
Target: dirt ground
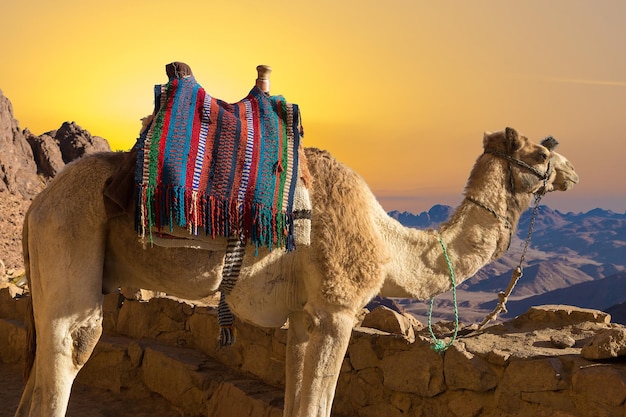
(85, 401)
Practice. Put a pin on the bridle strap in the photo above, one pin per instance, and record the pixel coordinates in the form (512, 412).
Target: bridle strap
(507, 223)
(541, 175)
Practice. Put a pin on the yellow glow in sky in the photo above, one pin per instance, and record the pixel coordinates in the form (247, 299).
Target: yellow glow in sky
(400, 91)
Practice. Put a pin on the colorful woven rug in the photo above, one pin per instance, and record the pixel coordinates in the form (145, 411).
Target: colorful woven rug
(229, 169)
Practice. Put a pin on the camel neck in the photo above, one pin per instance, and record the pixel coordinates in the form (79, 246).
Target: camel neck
(474, 235)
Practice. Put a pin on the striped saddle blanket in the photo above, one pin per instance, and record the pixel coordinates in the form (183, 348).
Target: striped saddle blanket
(230, 169)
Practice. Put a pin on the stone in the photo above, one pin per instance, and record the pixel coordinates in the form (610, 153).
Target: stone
(371, 381)
(609, 343)
(12, 341)
(601, 384)
(135, 354)
(498, 357)
(362, 354)
(419, 370)
(465, 405)
(108, 367)
(562, 341)
(535, 375)
(175, 373)
(464, 370)
(387, 320)
(244, 398)
(12, 307)
(111, 304)
(381, 409)
(560, 315)
(160, 319)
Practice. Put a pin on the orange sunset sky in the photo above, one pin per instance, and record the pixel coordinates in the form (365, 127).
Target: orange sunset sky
(401, 91)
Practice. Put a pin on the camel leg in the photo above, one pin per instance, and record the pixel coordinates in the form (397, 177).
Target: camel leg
(297, 339)
(66, 291)
(63, 346)
(330, 328)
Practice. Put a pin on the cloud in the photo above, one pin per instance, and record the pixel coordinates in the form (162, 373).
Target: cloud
(606, 83)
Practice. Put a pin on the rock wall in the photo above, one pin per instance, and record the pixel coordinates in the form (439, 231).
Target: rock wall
(551, 361)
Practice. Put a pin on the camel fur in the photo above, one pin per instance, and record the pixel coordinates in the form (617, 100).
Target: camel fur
(74, 254)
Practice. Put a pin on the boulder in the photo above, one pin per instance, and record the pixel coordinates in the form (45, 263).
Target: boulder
(387, 320)
(560, 316)
(607, 344)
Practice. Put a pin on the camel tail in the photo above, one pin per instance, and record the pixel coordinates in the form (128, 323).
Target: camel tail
(29, 320)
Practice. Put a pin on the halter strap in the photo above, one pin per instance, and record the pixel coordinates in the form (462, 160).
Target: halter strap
(541, 175)
(507, 223)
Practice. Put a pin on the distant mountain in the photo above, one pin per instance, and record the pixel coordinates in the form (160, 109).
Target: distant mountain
(618, 313)
(597, 234)
(599, 295)
(539, 278)
(425, 220)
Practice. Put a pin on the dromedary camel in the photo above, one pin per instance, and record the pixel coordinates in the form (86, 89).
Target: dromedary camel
(73, 255)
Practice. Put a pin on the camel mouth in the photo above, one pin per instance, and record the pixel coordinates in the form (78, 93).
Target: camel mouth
(566, 184)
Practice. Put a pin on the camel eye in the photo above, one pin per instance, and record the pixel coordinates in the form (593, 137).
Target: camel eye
(543, 156)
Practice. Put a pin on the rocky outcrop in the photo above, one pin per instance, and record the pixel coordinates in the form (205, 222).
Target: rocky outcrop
(75, 142)
(512, 369)
(47, 154)
(23, 155)
(53, 150)
(18, 172)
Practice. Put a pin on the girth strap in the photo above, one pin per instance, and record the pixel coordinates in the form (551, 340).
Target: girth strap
(233, 259)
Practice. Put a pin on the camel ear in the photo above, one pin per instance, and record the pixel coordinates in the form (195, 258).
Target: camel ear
(550, 142)
(486, 137)
(513, 141)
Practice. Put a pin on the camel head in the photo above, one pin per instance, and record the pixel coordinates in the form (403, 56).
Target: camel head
(565, 176)
(537, 165)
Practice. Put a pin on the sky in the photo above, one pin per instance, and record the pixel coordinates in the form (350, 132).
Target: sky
(400, 91)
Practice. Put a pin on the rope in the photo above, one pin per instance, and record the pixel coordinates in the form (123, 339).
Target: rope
(518, 271)
(439, 345)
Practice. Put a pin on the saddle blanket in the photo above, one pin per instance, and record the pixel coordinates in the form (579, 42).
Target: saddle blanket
(230, 169)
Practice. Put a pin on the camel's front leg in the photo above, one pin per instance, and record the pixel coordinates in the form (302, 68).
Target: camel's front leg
(330, 328)
(297, 340)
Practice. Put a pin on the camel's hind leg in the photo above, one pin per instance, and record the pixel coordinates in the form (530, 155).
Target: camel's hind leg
(65, 271)
(68, 327)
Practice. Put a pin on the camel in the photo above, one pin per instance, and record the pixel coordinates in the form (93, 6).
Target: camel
(73, 255)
